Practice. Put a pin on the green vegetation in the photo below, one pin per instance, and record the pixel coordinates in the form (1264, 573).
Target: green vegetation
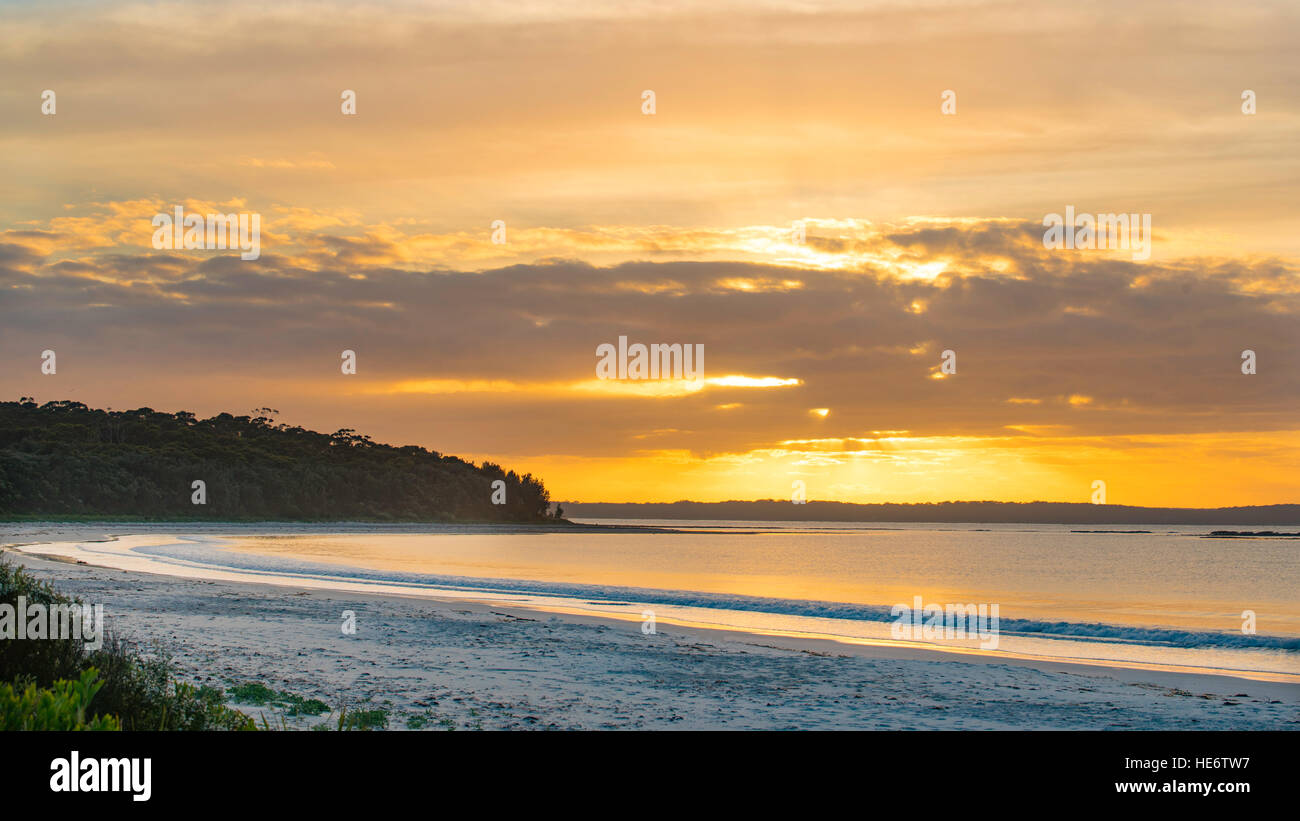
(64, 684)
(375, 719)
(63, 459)
(257, 693)
(142, 691)
(418, 721)
(61, 706)
(253, 692)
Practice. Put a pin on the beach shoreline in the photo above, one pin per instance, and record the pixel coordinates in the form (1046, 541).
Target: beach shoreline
(458, 662)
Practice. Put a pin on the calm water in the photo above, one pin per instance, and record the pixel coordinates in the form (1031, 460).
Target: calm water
(1169, 597)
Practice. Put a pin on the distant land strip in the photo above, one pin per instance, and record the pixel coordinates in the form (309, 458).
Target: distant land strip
(1069, 513)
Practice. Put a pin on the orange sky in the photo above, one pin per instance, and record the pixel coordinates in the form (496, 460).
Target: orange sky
(823, 357)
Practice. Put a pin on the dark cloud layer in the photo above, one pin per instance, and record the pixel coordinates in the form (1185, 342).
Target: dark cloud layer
(1090, 345)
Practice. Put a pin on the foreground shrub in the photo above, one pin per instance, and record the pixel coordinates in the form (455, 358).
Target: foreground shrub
(143, 693)
(61, 706)
(36, 662)
(134, 690)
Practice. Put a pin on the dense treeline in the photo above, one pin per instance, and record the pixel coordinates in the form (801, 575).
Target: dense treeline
(63, 458)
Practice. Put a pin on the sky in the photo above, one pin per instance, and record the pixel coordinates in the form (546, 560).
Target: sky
(922, 233)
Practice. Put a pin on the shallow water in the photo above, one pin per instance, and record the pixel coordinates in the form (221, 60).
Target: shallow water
(1169, 598)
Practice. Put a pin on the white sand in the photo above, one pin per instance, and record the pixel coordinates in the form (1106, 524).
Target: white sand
(467, 664)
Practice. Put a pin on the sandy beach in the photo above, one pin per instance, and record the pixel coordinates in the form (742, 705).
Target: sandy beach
(455, 664)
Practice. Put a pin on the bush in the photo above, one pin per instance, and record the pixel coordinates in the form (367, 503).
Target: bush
(62, 706)
(142, 692)
(134, 690)
(36, 662)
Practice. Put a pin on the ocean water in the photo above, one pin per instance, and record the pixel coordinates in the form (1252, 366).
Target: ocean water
(1170, 598)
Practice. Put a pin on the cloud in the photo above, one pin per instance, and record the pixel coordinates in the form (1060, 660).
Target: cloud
(652, 388)
(921, 232)
(472, 112)
(1103, 345)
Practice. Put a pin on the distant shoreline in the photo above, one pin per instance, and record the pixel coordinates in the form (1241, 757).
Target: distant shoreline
(1059, 513)
(566, 525)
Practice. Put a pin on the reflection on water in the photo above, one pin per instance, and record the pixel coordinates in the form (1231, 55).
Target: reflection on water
(1169, 596)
